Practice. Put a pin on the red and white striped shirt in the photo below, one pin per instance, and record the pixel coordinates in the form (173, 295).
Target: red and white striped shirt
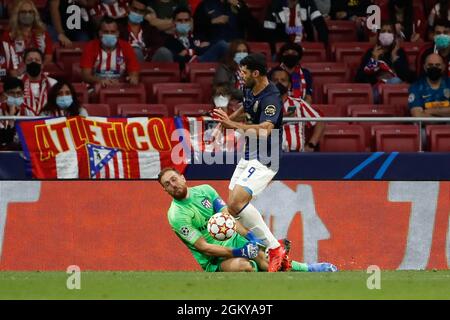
(5, 110)
(294, 133)
(109, 64)
(116, 10)
(8, 59)
(36, 93)
(42, 42)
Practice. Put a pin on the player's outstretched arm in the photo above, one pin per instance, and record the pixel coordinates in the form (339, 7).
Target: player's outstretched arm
(249, 250)
(262, 129)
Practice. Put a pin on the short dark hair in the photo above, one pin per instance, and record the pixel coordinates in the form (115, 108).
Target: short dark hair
(181, 9)
(279, 69)
(442, 23)
(107, 20)
(31, 50)
(255, 62)
(167, 169)
(144, 2)
(11, 83)
(291, 46)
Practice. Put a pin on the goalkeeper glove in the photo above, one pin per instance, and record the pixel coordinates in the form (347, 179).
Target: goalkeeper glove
(249, 251)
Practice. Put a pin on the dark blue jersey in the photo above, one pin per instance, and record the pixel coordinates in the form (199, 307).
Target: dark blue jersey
(421, 94)
(266, 106)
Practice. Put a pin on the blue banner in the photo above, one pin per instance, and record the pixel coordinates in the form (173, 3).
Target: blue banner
(391, 166)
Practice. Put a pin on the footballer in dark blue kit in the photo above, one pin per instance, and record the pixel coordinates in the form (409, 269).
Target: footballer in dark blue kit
(262, 107)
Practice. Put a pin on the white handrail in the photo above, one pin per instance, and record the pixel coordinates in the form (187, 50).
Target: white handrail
(292, 119)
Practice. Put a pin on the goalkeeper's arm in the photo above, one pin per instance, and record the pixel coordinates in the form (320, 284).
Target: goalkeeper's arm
(249, 250)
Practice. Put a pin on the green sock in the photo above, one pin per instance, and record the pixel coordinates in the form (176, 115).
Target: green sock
(299, 267)
(254, 265)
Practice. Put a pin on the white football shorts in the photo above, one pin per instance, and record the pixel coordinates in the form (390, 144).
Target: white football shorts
(252, 175)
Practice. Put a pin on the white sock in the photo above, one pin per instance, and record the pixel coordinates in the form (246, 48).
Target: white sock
(252, 220)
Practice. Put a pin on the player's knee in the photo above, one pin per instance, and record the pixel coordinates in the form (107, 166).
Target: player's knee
(245, 266)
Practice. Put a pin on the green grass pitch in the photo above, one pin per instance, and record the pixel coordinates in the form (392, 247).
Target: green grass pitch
(226, 286)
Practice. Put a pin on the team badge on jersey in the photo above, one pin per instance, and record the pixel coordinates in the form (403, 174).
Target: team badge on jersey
(184, 231)
(120, 60)
(447, 93)
(207, 204)
(270, 110)
(411, 98)
(255, 106)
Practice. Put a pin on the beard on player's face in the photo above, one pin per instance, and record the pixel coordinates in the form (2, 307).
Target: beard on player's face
(178, 191)
(250, 82)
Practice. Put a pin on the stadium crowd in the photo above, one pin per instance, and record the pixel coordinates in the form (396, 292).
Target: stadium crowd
(179, 57)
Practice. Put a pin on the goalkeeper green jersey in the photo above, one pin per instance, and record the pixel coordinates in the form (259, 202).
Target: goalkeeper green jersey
(189, 218)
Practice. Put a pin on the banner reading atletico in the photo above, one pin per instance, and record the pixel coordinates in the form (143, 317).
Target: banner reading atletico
(99, 148)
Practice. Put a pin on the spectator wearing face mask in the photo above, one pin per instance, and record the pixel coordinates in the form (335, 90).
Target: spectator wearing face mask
(226, 98)
(36, 83)
(295, 134)
(290, 57)
(385, 63)
(63, 101)
(185, 46)
(228, 72)
(26, 30)
(440, 45)
(430, 95)
(13, 105)
(408, 24)
(142, 37)
(109, 60)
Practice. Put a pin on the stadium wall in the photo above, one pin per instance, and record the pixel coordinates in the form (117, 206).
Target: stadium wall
(122, 225)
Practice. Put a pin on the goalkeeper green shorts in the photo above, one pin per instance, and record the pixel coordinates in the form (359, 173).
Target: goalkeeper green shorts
(214, 264)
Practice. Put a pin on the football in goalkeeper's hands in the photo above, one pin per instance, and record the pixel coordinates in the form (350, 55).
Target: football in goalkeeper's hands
(221, 226)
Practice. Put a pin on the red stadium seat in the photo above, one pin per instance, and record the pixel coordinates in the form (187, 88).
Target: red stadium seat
(395, 94)
(329, 110)
(261, 47)
(82, 92)
(124, 93)
(312, 51)
(192, 110)
(76, 73)
(348, 93)
(1, 87)
(341, 31)
(203, 74)
(67, 57)
(412, 50)
(172, 94)
(143, 110)
(157, 72)
(97, 109)
(351, 53)
(326, 72)
(54, 71)
(438, 138)
(372, 110)
(343, 138)
(401, 138)
(258, 8)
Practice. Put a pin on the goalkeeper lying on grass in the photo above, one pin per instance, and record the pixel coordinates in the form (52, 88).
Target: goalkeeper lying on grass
(188, 215)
